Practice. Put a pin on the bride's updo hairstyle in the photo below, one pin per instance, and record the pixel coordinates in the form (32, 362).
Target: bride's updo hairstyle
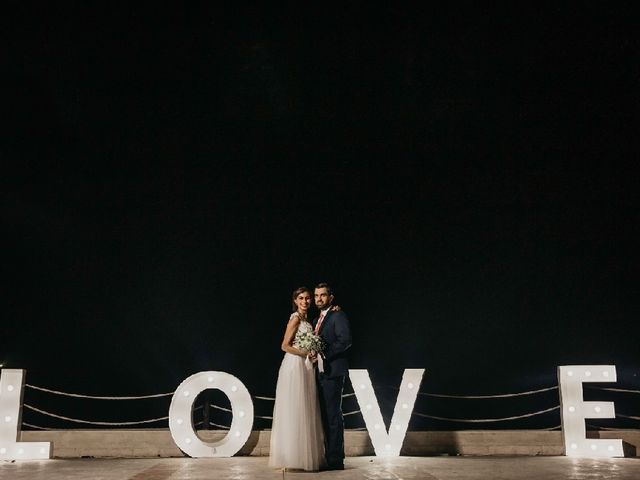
(297, 292)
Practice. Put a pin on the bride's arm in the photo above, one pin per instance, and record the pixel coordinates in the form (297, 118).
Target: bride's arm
(289, 335)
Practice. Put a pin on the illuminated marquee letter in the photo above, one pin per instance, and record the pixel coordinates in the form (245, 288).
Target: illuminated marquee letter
(181, 420)
(11, 388)
(387, 444)
(575, 410)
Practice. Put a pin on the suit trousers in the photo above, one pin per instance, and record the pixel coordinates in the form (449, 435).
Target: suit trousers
(330, 392)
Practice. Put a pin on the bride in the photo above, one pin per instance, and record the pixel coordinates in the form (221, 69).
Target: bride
(297, 440)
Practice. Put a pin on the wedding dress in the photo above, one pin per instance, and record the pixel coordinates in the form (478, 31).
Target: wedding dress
(297, 440)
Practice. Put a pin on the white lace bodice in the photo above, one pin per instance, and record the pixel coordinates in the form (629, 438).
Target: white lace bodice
(303, 327)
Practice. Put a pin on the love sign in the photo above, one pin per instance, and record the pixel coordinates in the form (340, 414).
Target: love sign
(387, 441)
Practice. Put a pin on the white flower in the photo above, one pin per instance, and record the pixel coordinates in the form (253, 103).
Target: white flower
(309, 341)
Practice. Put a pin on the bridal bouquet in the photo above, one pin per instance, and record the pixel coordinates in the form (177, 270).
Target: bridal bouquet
(310, 342)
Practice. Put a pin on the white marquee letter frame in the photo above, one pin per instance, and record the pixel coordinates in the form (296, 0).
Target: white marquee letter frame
(181, 419)
(575, 410)
(386, 444)
(11, 390)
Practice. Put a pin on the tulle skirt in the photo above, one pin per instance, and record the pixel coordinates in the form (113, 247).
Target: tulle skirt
(297, 440)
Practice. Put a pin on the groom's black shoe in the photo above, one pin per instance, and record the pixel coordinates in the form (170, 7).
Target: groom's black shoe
(334, 466)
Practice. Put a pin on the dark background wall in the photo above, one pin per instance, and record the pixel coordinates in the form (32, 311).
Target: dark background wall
(466, 179)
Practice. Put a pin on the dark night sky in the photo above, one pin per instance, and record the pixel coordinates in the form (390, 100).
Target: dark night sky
(466, 180)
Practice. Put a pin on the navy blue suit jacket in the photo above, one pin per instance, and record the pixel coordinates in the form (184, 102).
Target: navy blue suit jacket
(336, 332)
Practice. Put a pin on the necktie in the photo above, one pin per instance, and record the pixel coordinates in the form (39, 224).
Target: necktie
(322, 315)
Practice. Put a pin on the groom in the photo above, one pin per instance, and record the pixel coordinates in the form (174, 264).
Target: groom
(333, 327)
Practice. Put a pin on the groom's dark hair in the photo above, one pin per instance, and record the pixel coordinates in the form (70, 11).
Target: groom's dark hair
(325, 285)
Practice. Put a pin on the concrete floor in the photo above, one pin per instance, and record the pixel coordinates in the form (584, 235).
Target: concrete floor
(369, 468)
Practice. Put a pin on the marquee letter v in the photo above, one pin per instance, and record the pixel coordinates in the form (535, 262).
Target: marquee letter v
(386, 444)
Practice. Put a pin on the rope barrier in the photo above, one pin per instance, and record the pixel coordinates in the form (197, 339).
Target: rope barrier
(437, 395)
(219, 408)
(273, 398)
(346, 395)
(76, 420)
(504, 395)
(596, 427)
(486, 420)
(35, 426)
(95, 397)
(627, 416)
(552, 428)
(219, 426)
(257, 397)
(350, 413)
(140, 397)
(622, 390)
